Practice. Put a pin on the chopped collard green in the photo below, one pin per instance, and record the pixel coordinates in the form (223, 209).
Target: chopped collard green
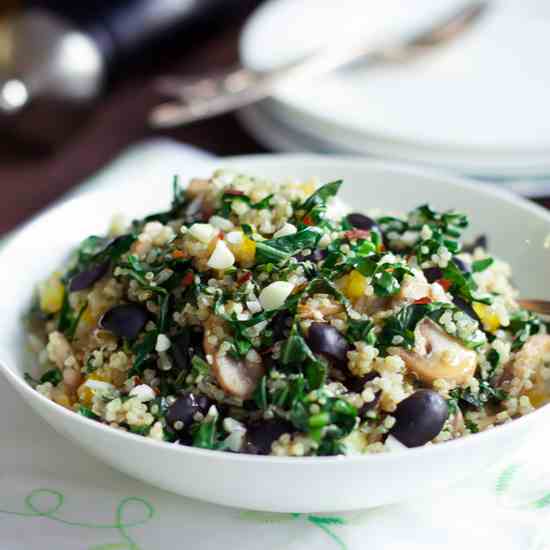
(267, 319)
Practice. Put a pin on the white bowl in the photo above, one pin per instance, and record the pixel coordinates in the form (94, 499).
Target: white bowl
(516, 228)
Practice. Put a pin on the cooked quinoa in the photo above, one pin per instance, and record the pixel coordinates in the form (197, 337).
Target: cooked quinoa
(252, 317)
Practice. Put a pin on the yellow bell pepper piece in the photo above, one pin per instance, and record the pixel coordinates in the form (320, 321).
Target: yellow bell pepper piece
(355, 285)
(245, 251)
(489, 319)
(51, 294)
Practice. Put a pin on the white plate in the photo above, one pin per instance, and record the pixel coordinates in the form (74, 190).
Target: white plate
(516, 229)
(479, 102)
(284, 137)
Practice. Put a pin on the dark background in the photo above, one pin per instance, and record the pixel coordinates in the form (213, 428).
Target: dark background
(30, 182)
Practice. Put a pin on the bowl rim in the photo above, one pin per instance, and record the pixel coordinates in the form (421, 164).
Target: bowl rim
(488, 190)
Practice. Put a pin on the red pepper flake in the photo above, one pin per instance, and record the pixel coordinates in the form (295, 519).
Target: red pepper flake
(445, 284)
(307, 220)
(425, 300)
(187, 279)
(235, 192)
(357, 234)
(244, 278)
(178, 254)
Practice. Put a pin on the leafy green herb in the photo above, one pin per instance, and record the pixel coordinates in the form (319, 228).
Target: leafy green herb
(87, 412)
(334, 420)
(278, 250)
(137, 270)
(361, 331)
(487, 393)
(140, 430)
(450, 223)
(65, 314)
(463, 285)
(229, 198)
(164, 313)
(315, 205)
(493, 357)
(199, 366)
(247, 229)
(316, 374)
(386, 277)
(260, 394)
(404, 323)
(470, 425)
(71, 331)
(266, 253)
(142, 351)
(522, 325)
(54, 376)
(205, 434)
(482, 265)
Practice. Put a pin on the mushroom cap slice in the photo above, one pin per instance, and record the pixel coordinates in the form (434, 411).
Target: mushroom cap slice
(438, 356)
(237, 377)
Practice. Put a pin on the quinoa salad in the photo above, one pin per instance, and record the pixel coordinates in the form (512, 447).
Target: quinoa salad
(263, 318)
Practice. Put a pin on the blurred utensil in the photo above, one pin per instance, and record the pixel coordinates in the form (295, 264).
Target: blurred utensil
(227, 90)
(537, 306)
(62, 51)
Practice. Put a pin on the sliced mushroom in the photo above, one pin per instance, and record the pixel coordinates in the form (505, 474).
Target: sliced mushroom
(238, 377)
(371, 304)
(526, 366)
(438, 356)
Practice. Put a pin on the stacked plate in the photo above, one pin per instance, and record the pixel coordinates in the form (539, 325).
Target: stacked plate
(477, 106)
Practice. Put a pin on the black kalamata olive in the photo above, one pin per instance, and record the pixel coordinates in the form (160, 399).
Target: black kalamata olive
(185, 438)
(479, 242)
(179, 350)
(184, 409)
(467, 308)
(419, 418)
(463, 266)
(280, 325)
(261, 434)
(85, 279)
(184, 346)
(433, 274)
(327, 341)
(360, 221)
(125, 321)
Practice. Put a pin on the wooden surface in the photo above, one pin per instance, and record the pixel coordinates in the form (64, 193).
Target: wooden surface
(30, 182)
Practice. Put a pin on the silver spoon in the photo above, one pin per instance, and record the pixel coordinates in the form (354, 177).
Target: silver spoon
(203, 97)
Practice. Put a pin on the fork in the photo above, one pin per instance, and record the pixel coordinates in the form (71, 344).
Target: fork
(198, 98)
